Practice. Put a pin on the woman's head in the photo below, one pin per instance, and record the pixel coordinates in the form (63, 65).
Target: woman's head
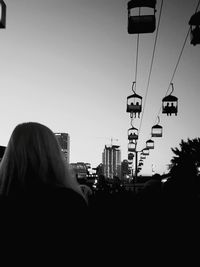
(32, 158)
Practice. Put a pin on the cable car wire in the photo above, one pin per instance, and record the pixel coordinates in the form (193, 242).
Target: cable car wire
(181, 53)
(137, 55)
(175, 69)
(178, 62)
(179, 58)
(136, 64)
(197, 6)
(151, 66)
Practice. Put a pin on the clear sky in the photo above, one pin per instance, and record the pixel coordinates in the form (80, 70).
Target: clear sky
(70, 64)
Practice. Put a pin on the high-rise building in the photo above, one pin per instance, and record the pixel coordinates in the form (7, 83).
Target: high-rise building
(111, 159)
(64, 141)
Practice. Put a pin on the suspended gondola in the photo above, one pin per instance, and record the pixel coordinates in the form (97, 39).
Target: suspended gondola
(132, 146)
(130, 156)
(194, 23)
(150, 144)
(3, 14)
(170, 104)
(145, 152)
(157, 130)
(130, 162)
(134, 104)
(132, 134)
(141, 23)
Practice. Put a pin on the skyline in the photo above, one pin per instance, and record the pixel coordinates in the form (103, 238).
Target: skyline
(70, 65)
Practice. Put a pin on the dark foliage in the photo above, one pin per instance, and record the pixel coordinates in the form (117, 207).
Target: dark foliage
(189, 152)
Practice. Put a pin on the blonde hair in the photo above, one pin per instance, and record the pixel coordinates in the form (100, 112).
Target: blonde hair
(33, 158)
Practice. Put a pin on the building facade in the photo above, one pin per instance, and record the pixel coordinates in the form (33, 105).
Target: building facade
(64, 141)
(80, 169)
(111, 160)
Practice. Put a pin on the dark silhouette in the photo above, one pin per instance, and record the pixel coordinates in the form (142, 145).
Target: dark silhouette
(195, 36)
(142, 23)
(152, 189)
(39, 195)
(184, 167)
(183, 182)
(181, 190)
(189, 150)
(102, 196)
(3, 15)
(194, 23)
(2, 150)
(87, 191)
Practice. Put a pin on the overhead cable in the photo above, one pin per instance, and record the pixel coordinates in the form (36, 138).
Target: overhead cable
(151, 66)
(180, 55)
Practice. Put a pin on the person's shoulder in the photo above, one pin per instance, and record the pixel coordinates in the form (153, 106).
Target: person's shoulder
(68, 208)
(69, 197)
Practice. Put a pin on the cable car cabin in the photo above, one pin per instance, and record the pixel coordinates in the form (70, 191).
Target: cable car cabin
(170, 105)
(131, 146)
(150, 144)
(145, 152)
(195, 36)
(194, 23)
(138, 20)
(134, 104)
(130, 156)
(3, 14)
(156, 131)
(132, 133)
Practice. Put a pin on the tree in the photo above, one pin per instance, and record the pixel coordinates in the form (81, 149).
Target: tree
(184, 166)
(189, 152)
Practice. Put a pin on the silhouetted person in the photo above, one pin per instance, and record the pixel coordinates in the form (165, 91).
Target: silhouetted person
(172, 108)
(167, 108)
(39, 195)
